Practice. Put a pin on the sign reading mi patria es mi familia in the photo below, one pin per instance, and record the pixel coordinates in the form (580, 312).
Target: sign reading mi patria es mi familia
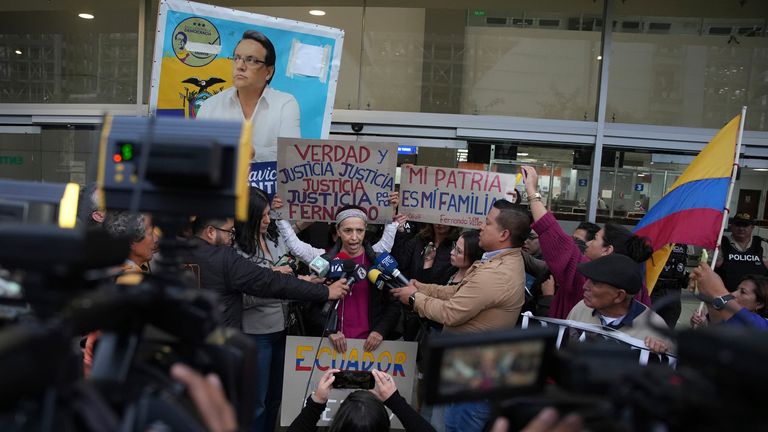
(450, 196)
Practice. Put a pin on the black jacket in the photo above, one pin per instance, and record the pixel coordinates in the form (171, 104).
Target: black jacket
(230, 275)
(410, 261)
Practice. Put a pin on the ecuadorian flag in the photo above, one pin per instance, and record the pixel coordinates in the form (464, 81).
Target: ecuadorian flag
(691, 211)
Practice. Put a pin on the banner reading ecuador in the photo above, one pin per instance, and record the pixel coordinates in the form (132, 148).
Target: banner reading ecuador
(451, 196)
(317, 177)
(396, 358)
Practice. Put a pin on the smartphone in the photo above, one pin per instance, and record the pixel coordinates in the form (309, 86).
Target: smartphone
(362, 380)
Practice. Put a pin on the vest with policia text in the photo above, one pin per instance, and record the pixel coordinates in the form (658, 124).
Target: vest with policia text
(673, 274)
(736, 264)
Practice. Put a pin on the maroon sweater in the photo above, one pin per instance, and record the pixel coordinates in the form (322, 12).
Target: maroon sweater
(562, 256)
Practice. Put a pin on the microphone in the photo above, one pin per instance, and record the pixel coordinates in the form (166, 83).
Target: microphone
(375, 277)
(380, 280)
(335, 270)
(387, 264)
(319, 266)
(341, 267)
(354, 273)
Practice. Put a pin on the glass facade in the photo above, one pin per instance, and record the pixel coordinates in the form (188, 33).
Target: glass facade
(670, 65)
(689, 67)
(51, 55)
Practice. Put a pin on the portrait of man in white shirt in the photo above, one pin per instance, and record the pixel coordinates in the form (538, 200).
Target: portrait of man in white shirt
(274, 113)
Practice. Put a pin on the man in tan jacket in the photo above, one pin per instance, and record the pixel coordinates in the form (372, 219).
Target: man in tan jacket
(492, 293)
(489, 297)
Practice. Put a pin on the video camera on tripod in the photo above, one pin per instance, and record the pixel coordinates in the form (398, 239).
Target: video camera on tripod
(171, 168)
(720, 372)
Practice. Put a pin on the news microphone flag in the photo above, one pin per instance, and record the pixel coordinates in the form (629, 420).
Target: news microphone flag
(692, 210)
(387, 264)
(374, 277)
(319, 266)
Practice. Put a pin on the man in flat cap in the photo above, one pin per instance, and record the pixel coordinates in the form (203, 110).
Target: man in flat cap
(612, 282)
(741, 253)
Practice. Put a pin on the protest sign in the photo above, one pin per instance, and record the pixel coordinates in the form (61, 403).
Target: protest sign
(192, 62)
(396, 358)
(317, 177)
(449, 196)
(263, 176)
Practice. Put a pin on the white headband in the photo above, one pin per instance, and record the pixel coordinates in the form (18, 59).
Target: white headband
(349, 213)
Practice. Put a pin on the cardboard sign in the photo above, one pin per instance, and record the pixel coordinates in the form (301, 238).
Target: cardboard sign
(317, 177)
(263, 176)
(448, 196)
(396, 358)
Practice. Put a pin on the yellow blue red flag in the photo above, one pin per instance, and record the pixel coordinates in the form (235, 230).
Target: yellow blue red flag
(691, 212)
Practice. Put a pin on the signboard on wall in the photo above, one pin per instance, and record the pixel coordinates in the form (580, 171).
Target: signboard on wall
(192, 60)
(304, 362)
(317, 177)
(449, 196)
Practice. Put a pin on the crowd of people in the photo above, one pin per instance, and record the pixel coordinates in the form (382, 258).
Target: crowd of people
(460, 281)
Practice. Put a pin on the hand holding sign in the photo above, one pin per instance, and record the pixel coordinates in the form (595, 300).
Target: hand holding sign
(449, 196)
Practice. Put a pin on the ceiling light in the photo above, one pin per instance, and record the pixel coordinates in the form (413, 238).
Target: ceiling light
(317, 12)
(599, 57)
(522, 154)
(760, 169)
(18, 52)
(84, 15)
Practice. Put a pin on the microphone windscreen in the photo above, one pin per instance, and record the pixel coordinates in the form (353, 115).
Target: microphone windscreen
(373, 275)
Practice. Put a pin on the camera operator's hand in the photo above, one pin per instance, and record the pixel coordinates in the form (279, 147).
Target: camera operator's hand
(546, 421)
(339, 342)
(208, 395)
(338, 289)
(324, 386)
(656, 345)
(373, 341)
(403, 293)
(385, 385)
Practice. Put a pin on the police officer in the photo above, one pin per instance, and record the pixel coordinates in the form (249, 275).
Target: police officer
(671, 280)
(741, 252)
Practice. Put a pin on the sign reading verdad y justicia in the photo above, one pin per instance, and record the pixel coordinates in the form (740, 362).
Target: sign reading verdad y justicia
(317, 177)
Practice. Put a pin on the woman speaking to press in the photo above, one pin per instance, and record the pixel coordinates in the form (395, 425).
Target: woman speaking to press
(367, 313)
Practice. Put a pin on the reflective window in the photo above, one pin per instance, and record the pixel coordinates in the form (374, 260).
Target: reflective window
(688, 70)
(531, 63)
(51, 55)
(59, 154)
